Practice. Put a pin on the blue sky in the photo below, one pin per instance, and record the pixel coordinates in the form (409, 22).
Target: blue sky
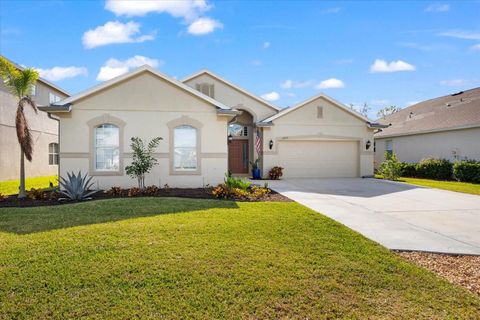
(381, 53)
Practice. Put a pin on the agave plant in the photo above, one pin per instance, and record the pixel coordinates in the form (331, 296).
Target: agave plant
(76, 187)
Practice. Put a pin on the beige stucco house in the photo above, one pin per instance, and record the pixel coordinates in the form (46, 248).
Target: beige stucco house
(447, 127)
(44, 131)
(208, 126)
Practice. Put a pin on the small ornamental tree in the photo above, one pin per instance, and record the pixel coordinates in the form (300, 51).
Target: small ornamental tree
(391, 168)
(143, 160)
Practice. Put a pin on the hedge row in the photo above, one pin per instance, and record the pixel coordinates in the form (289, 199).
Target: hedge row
(441, 169)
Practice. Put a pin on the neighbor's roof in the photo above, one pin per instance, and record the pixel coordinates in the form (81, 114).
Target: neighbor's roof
(48, 83)
(236, 87)
(321, 95)
(454, 111)
(144, 68)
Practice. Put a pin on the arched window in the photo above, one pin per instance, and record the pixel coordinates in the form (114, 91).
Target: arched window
(106, 148)
(53, 157)
(185, 148)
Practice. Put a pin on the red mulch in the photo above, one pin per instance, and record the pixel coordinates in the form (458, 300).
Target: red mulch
(462, 270)
(196, 193)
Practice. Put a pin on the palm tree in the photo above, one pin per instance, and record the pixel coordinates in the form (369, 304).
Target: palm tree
(20, 82)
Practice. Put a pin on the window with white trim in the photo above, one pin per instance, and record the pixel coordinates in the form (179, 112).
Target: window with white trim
(107, 147)
(389, 146)
(33, 91)
(185, 148)
(53, 157)
(52, 98)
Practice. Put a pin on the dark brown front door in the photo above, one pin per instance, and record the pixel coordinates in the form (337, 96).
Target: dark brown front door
(238, 156)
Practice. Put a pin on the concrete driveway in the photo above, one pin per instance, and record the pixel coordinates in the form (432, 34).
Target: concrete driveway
(396, 215)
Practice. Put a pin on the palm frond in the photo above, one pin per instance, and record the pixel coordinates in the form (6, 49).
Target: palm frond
(24, 135)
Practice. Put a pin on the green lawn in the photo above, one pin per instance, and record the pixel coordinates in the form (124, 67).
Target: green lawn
(464, 187)
(11, 186)
(206, 259)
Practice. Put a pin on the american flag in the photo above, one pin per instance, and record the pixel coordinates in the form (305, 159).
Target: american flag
(258, 143)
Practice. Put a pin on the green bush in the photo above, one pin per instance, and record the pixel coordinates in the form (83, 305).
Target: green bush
(467, 171)
(391, 168)
(437, 169)
(236, 182)
(409, 170)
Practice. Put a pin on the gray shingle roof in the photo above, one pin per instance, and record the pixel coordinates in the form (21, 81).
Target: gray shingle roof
(461, 109)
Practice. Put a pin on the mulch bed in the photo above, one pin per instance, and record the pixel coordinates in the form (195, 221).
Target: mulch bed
(462, 270)
(196, 193)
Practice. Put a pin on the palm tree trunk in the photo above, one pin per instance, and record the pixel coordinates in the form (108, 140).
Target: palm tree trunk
(21, 191)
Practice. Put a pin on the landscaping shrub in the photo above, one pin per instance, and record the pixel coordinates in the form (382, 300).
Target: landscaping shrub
(467, 171)
(115, 191)
(437, 169)
(36, 194)
(409, 170)
(2, 196)
(391, 168)
(236, 183)
(133, 192)
(151, 190)
(239, 189)
(275, 173)
(76, 187)
(220, 191)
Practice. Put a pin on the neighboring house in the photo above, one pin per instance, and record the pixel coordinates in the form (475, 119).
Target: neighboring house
(447, 127)
(44, 131)
(208, 126)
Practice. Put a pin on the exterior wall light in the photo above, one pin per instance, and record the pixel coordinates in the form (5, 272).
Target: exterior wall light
(230, 138)
(270, 144)
(368, 144)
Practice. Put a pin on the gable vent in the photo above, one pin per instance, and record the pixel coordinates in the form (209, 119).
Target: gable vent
(319, 112)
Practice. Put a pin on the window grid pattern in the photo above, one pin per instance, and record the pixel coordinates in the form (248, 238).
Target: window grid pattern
(53, 154)
(185, 148)
(107, 142)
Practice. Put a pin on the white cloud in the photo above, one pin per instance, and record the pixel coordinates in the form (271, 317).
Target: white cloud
(453, 82)
(289, 84)
(190, 11)
(114, 68)
(203, 26)
(331, 83)
(291, 95)
(266, 45)
(438, 7)
(271, 96)
(114, 32)
(393, 66)
(476, 47)
(60, 73)
(186, 9)
(461, 34)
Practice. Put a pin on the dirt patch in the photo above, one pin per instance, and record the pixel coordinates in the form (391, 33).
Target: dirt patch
(459, 269)
(196, 193)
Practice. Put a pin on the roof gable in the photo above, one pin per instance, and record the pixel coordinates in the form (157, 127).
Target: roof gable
(125, 77)
(231, 85)
(306, 102)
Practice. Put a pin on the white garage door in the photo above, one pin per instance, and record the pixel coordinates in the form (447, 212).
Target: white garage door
(319, 159)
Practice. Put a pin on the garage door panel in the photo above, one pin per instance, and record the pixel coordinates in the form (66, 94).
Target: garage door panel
(319, 159)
